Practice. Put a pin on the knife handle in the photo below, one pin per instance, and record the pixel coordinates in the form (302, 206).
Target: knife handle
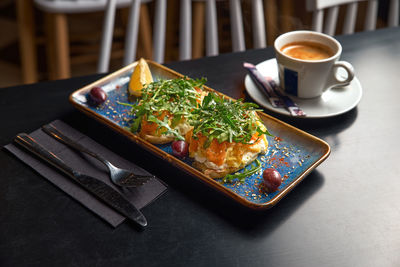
(52, 131)
(30, 144)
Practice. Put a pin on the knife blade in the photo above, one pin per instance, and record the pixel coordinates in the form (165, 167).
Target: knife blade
(98, 188)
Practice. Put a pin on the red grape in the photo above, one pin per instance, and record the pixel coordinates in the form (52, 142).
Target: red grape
(180, 148)
(272, 179)
(98, 95)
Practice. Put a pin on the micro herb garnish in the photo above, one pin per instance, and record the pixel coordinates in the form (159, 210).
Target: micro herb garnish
(242, 176)
(177, 97)
(226, 120)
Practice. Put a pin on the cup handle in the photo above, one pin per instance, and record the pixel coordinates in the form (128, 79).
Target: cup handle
(336, 81)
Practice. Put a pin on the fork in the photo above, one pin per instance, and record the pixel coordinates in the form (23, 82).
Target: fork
(118, 176)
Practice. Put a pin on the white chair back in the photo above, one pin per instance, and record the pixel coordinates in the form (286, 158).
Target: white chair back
(318, 7)
(211, 21)
(76, 6)
(132, 33)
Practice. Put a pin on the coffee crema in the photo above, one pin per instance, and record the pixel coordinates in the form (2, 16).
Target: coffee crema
(307, 50)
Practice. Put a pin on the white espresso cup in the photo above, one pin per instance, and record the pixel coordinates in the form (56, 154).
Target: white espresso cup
(310, 77)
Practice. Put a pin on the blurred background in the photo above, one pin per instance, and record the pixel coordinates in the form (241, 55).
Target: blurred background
(84, 34)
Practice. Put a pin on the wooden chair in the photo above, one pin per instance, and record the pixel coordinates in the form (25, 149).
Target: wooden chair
(318, 8)
(57, 35)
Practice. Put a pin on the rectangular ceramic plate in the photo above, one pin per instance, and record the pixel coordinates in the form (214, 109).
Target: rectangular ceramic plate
(292, 152)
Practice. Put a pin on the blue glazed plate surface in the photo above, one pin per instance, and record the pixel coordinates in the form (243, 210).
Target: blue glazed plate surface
(292, 152)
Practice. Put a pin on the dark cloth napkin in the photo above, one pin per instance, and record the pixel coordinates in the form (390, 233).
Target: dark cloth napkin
(140, 196)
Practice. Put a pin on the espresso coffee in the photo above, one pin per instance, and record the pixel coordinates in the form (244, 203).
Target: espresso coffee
(308, 63)
(307, 50)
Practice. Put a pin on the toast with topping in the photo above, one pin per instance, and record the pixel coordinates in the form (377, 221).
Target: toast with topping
(164, 109)
(227, 136)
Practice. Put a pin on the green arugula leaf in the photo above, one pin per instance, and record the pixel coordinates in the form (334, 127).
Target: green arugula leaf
(242, 176)
(226, 120)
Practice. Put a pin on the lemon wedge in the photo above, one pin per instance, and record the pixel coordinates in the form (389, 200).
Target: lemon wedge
(139, 78)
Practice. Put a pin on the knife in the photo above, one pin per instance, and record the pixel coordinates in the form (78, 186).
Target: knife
(98, 188)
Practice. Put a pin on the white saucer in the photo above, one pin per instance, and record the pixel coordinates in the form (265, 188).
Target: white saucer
(333, 102)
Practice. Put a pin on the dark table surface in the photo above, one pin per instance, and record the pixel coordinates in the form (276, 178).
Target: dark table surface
(345, 213)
